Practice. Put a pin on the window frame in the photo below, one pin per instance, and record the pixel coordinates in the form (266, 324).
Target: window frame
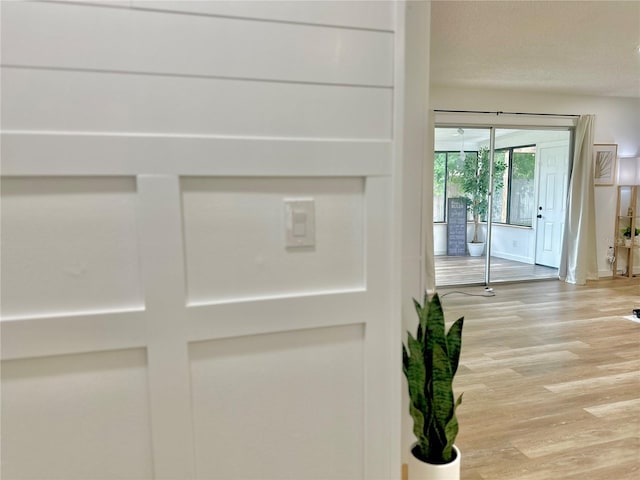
(509, 182)
(446, 176)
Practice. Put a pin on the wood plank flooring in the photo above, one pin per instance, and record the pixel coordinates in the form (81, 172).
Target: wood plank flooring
(470, 270)
(551, 380)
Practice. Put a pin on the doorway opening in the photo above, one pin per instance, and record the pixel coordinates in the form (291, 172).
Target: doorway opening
(517, 229)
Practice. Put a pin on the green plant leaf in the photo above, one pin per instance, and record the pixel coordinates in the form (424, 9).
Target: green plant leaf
(474, 180)
(418, 427)
(442, 389)
(405, 359)
(430, 360)
(451, 431)
(416, 373)
(434, 328)
(454, 344)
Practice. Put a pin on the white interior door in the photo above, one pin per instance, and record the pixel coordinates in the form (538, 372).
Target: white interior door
(553, 160)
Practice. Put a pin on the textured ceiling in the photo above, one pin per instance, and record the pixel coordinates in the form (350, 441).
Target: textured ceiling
(581, 47)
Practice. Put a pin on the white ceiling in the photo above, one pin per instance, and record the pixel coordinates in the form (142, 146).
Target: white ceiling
(581, 47)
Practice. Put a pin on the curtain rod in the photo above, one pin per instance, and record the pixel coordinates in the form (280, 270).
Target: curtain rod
(509, 113)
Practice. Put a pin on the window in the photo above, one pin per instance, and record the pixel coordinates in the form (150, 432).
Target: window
(513, 204)
(447, 165)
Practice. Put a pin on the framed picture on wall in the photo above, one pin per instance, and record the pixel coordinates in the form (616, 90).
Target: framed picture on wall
(604, 163)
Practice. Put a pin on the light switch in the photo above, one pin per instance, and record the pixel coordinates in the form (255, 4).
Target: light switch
(299, 222)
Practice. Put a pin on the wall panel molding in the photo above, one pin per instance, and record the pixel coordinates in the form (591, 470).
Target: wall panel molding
(237, 388)
(257, 317)
(261, 50)
(162, 260)
(77, 417)
(63, 100)
(76, 153)
(354, 14)
(38, 337)
(234, 231)
(372, 15)
(69, 244)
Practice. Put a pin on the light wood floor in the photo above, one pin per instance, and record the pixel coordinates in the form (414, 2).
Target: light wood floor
(551, 380)
(470, 270)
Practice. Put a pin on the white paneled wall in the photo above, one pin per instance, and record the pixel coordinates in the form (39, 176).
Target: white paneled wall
(154, 325)
(293, 53)
(237, 225)
(76, 416)
(53, 100)
(287, 428)
(69, 245)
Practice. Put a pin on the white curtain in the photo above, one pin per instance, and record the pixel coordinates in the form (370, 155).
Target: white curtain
(579, 260)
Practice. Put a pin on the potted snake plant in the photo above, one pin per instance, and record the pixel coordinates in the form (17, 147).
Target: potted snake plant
(430, 361)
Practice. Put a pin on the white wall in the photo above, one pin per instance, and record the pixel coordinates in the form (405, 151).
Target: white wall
(417, 145)
(153, 323)
(507, 241)
(617, 121)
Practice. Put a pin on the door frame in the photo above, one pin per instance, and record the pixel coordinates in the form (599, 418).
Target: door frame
(491, 120)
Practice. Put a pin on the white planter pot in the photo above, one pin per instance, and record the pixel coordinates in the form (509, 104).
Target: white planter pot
(419, 470)
(475, 249)
(627, 242)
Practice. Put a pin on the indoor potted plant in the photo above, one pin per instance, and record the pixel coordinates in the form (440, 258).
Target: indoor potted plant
(474, 180)
(429, 362)
(626, 233)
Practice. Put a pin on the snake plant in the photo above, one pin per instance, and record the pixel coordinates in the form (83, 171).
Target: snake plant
(430, 361)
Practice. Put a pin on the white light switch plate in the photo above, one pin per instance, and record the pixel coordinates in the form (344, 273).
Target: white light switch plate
(300, 222)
